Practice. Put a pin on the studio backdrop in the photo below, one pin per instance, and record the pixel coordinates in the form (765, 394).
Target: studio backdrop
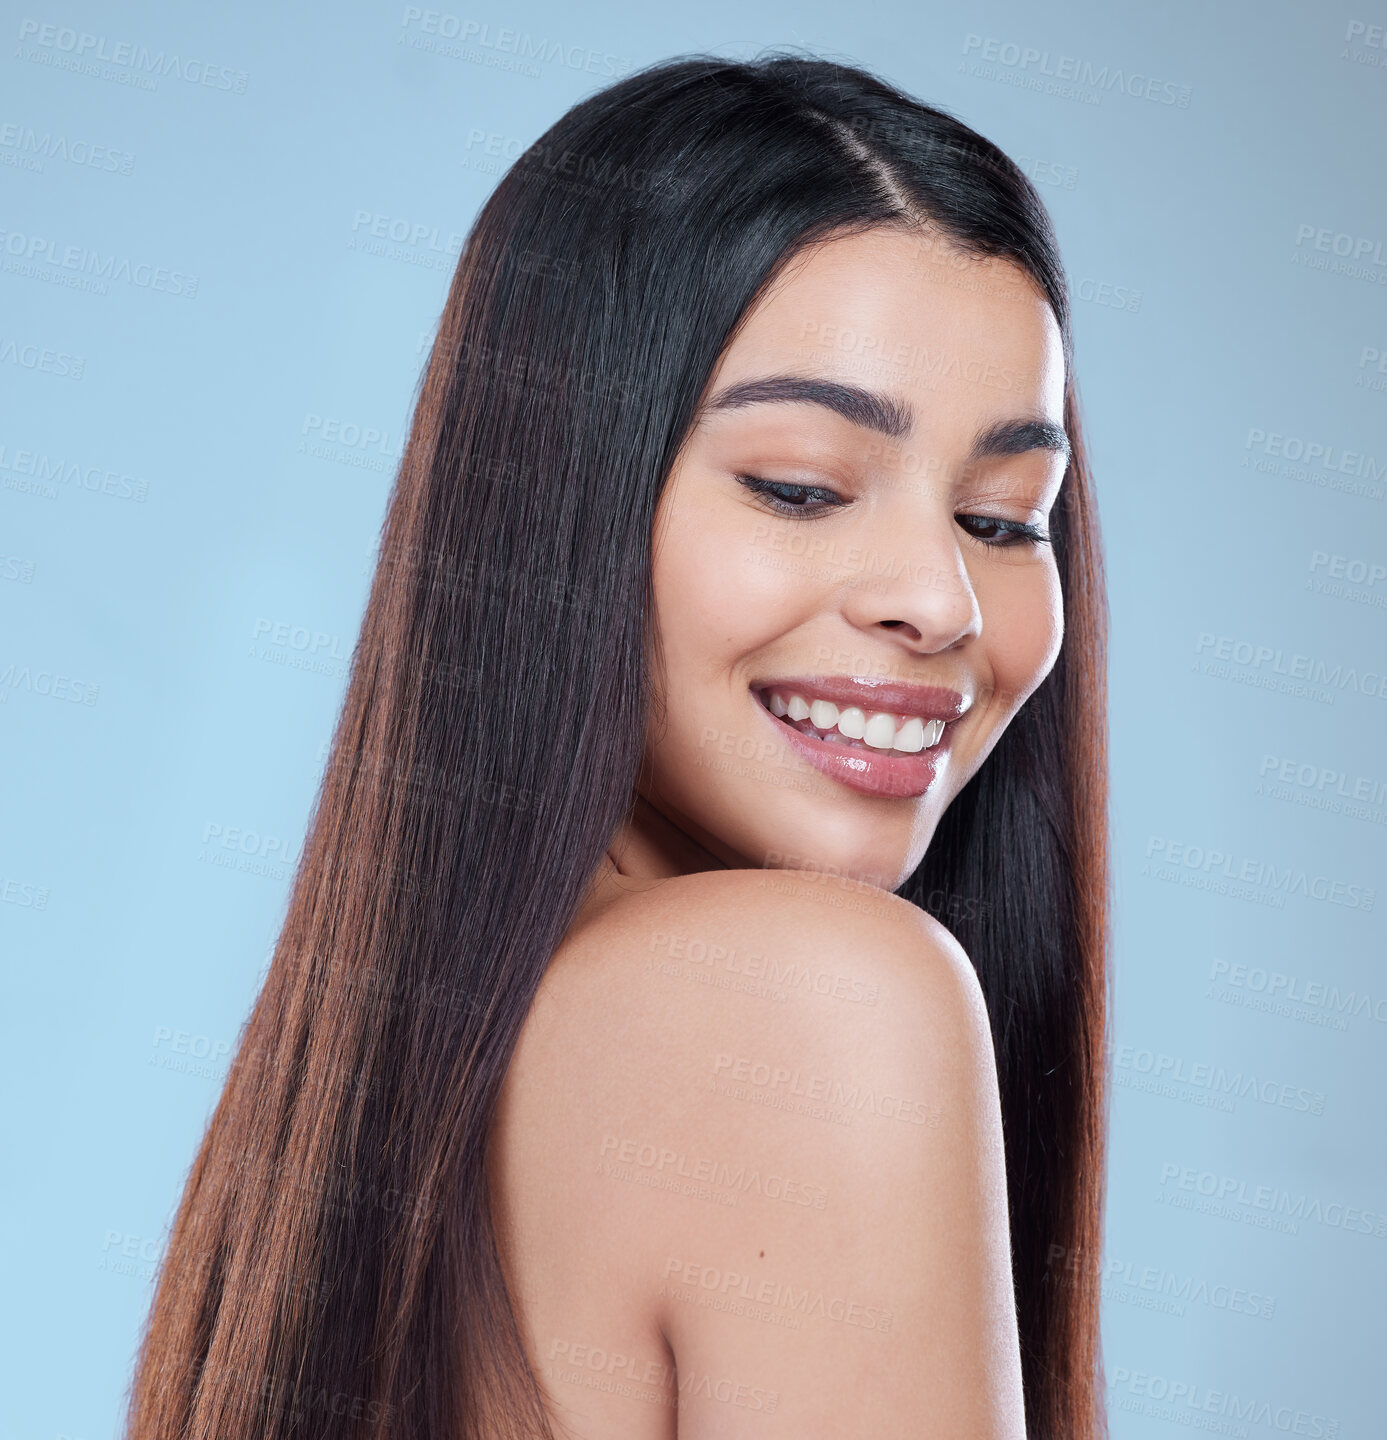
(226, 237)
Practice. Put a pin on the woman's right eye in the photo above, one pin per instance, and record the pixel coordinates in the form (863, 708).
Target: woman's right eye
(786, 499)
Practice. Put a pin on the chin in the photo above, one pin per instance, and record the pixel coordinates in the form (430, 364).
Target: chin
(857, 847)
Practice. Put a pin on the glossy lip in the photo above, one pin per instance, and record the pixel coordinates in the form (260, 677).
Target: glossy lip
(869, 772)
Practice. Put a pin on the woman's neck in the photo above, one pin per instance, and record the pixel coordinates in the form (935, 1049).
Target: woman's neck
(652, 847)
(647, 850)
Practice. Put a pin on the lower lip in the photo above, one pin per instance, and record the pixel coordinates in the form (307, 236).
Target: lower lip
(895, 777)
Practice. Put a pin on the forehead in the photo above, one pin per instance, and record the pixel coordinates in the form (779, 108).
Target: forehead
(960, 340)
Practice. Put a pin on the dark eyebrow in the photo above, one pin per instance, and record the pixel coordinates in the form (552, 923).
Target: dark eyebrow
(890, 417)
(862, 407)
(1015, 437)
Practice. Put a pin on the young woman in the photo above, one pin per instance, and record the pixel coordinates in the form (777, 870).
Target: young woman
(689, 1015)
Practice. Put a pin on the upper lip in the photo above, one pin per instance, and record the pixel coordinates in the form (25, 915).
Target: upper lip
(897, 697)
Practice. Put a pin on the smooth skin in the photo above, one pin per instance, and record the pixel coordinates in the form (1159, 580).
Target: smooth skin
(747, 1170)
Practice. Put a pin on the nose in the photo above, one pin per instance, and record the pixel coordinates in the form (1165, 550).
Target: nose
(918, 588)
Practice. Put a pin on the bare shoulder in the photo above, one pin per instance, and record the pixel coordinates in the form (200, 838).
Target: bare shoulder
(767, 1102)
(706, 974)
(769, 924)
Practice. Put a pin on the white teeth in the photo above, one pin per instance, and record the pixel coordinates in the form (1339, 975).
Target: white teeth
(852, 722)
(823, 714)
(880, 733)
(877, 731)
(911, 736)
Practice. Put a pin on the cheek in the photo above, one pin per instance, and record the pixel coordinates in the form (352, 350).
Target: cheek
(725, 586)
(1023, 625)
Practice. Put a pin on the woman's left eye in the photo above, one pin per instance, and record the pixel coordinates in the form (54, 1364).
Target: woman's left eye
(992, 530)
(792, 499)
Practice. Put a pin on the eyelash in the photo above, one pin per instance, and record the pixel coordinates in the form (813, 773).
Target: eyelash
(774, 493)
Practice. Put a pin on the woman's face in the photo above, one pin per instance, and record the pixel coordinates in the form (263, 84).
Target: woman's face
(855, 527)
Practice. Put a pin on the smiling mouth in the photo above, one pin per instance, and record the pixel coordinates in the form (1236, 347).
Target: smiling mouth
(881, 732)
(881, 739)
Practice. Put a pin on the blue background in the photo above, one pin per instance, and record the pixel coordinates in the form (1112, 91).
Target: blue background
(182, 591)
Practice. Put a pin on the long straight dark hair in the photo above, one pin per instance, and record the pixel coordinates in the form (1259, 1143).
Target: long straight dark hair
(332, 1269)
